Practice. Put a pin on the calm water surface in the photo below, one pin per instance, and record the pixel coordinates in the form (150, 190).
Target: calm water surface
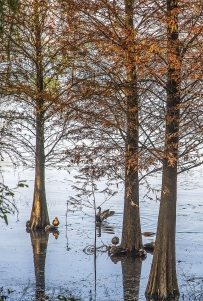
(70, 270)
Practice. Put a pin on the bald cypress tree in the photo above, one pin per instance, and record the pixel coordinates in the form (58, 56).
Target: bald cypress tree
(162, 281)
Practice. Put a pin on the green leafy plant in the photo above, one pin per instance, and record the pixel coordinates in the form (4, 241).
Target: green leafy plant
(7, 201)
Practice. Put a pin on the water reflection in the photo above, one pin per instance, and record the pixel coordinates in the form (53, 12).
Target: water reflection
(131, 271)
(104, 228)
(16, 263)
(39, 240)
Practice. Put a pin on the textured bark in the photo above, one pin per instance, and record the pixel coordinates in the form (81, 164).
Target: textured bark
(39, 240)
(131, 234)
(39, 215)
(162, 282)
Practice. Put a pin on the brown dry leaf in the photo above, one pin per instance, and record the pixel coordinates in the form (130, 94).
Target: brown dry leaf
(133, 204)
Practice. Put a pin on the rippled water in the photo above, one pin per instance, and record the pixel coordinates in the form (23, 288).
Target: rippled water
(69, 270)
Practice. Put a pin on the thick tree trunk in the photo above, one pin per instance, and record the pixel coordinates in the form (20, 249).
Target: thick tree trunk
(162, 282)
(131, 234)
(39, 215)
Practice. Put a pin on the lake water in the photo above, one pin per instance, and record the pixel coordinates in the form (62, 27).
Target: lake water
(71, 271)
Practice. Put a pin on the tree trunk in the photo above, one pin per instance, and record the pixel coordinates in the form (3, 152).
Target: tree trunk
(162, 282)
(131, 233)
(39, 215)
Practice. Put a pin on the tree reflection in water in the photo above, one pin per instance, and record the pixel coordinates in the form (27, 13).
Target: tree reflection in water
(39, 240)
(131, 267)
(131, 270)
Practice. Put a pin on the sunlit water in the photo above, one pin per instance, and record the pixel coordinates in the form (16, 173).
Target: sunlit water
(69, 270)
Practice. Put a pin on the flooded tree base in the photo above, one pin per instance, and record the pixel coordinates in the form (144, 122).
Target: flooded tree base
(156, 297)
(119, 251)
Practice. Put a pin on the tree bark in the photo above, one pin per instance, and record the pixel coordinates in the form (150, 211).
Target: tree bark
(162, 283)
(131, 233)
(39, 215)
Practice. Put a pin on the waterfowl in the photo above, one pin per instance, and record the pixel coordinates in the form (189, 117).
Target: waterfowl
(148, 233)
(140, 253)
(28, 224)
(50, 228)
(100, 216)
(117, 251)
(149, 246)
(115, 240)
(55, 222)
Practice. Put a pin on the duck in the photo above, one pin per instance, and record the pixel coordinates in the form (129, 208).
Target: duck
(28, 224)
(100, 216)
(55, 222)
(141, 253)
(149, 246)
(148, 233)
(50, 228)
(115, 240)
(117, 251)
